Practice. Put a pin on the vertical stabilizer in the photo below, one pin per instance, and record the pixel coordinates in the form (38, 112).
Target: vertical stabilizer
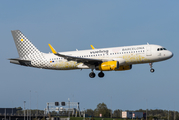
(25, 48)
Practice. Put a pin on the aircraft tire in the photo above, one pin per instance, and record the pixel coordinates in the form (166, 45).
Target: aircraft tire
(100, 74)
(152, 70)
(92, 75)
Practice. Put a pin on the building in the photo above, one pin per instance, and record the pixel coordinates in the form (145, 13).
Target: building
(129, 114)
(9, 110)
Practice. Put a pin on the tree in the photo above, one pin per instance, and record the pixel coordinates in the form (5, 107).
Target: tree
(102, 109)
(89, 112)
(117, 113)
(19, 108)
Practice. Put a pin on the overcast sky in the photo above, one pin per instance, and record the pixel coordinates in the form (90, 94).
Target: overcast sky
(69, 25)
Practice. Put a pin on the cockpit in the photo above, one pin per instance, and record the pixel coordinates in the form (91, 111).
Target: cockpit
(160, 49)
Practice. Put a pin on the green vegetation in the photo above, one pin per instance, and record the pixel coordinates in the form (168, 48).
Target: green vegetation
(108, 114)
(80, 118)
(39, 112)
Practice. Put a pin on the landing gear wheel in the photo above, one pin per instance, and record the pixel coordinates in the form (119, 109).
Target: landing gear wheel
(92, 75)
(152, 70)
(101, 74)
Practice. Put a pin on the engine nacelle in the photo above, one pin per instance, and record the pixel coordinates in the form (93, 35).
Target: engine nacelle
(124, 67)
(113, 65)
(108, 66)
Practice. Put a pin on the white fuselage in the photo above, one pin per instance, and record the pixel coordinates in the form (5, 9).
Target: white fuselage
(131, 54)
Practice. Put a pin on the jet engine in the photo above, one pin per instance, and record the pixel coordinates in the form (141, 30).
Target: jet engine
(108, 66)
(124, 67)
(113, 65)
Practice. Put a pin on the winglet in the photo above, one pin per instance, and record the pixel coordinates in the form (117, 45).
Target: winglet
(92, 47)
(52, 49)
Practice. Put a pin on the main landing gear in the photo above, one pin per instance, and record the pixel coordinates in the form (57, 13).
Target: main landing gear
(151, 69)
(92, 74)
(101, 74)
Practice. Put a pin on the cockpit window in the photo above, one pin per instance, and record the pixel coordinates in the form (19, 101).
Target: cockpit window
(160, 49)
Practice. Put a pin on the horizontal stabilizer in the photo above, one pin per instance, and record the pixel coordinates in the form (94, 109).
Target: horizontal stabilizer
(20, 61)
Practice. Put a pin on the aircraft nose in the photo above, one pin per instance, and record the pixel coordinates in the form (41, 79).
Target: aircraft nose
(170, 54)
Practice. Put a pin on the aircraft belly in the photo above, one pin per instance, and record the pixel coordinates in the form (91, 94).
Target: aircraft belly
(40, 63)
(135, 59)
(56, 65)
(64, 65)
(68, 65)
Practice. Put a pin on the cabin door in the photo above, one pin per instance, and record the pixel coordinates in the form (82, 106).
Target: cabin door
(148, 51)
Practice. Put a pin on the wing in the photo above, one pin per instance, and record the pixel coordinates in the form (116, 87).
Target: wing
(87, 61)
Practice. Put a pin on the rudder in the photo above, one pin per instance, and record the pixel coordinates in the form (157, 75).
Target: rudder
(25, 48)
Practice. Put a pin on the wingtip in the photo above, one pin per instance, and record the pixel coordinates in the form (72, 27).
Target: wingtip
(92, 47)
(52, 49)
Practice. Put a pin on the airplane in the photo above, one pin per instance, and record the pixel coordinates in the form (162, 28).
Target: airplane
(104, 59)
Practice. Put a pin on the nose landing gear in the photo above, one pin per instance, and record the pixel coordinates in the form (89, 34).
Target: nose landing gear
(151, 70)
